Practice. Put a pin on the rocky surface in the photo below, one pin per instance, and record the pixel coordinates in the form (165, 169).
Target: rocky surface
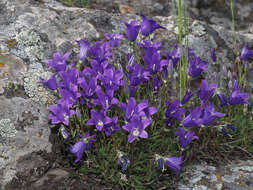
(30, 32)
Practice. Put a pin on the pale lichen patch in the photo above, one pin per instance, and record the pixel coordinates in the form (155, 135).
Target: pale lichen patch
(7, 128)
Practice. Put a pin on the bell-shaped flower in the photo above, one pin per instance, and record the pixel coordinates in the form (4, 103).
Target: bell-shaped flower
(112, 79)
(61, 113)
(81, 146)
(101, 52)
(114, 39)
(175, 163)
(106, 100)
(69, 78)
(89, 89)
(64, 133)
(50, 83)
(138, 75)
(193, 119)
(205, 91)
(237, 97)
(136, 127)
(132, 30)
(188, 95)
(209, 114)
(185, 137)
(156, 85)
(99, 119)
(124, 161)
(154, 62)
(223, 99)
(84, 48)
(71, 94)
(149, 25)
(59, 62)
(111, 127)
(196, 67)
(246, 53)
(174, 110)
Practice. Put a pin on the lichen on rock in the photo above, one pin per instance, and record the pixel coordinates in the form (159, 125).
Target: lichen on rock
(35, 89)
(30, 42)
(7, 128)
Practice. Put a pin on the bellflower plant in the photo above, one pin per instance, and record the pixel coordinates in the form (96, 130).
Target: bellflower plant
(141, 103)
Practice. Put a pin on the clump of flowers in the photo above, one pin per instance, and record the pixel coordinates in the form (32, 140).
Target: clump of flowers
(99, 101)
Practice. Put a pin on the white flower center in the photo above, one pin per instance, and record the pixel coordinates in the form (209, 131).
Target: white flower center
(100, 123)
(136, 132)
(66, 117)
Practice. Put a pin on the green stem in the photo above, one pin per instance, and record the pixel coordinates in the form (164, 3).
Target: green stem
(181, 52)
(136, 53)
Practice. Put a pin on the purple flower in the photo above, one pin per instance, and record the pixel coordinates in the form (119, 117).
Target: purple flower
(61, 113)
(114, 39)
(136, 127)
(124, 161)
(101, 52)
(105, 100)
(193, 119)
(187, 97)
(111, 127)
(132, 30)
(83, 145)
(175, 163)
(174, 111)
(246, 53)
(196, 67)
(71, 94)
(59, 62)
(99, 119)
(97, 69)
(156, 85)
(64, 133)
(209, 114)
(69, 78)
(213, 56)
(205, 92)
(169, 123)
(84, 47)
(112, 79)
(131, 62)
(50, 83)
(149, 25)
(138, 75)
(185, 137)
(154, 62)
(90, 88)
(160, 163)
(237, 97)
(223, 100)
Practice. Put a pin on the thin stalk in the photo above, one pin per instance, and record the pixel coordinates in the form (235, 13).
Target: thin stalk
(186, 47)
(136, 52)
(181, 52)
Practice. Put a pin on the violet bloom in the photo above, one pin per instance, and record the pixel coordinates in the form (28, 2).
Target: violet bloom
(97, 69)
(175, 163)
(246, 53)
(59, 62)
(69, 78)
(223, 100)
(169, 123)
(90, 88)
(160, 163)
(205, 91)
(185, 137)
(149, 111)
(156, 85)
(84, 47)
(114, 39)
(101, 52)
(213, 55)
(131, 62)
(209, 114)
(81, 146)
(111, 127)
(237, 97)
(112, 79)
(64, 133)
(50, 83)
(124, 162)
(149, 25)
(154, 62)
(188, 95)
(196, 67)
(193, 119)
(138, 75)
(132, 30)
(136, 127)
(71, 94)
(174, 110)
(60, 113)
(99, 119)
(106, 100)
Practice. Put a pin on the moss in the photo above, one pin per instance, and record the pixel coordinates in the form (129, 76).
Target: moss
(7, 128)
